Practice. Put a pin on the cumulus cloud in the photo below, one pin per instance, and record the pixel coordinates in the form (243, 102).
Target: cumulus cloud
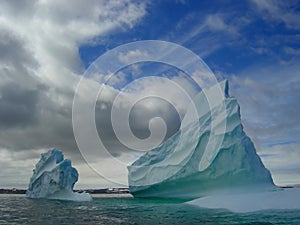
(40, 72)
(142, 99)
(40, 69)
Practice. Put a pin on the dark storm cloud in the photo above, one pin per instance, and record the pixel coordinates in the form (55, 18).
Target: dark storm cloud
(30, 116)
(12, 7)
(149, 108)
(15, 58)
(19, 90)
(37, 61)
(18, 106)
(33, 113)
(139, 118)
(41, 120)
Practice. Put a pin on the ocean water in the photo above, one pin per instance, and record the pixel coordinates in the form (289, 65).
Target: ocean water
(122, 209)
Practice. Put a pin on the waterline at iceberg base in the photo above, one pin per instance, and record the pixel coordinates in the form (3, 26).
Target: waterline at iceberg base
(210, 154)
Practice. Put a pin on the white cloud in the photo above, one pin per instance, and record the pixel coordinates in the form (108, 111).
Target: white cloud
(276, 10)
(54, 29)
(269, 5)
(203, 78)
(209, 32)
(132, 55)
(216, 22)
(179, 88)
(43, 62)
(39, 71)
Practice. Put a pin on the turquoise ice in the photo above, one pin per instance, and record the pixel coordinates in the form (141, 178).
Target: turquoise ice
(54, 178)
(210, 154)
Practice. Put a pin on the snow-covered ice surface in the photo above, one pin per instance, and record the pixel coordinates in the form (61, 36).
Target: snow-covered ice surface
(209, 155)
(279, 199)
(54, 178)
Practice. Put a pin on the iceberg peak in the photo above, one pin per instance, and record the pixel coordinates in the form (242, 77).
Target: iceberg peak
(225, 87)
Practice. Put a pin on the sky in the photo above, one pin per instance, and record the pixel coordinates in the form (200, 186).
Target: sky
(47, 45)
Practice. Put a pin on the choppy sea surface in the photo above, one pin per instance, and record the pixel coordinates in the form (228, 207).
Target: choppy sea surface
(123, 209)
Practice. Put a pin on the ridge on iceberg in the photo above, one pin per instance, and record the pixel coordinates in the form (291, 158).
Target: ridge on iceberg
(54, 178)
(210, 154)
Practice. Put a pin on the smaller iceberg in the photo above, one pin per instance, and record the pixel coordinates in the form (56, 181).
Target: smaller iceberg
(54, 178)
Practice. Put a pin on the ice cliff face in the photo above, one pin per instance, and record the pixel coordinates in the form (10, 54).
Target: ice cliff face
(210, 154)
(54, 177)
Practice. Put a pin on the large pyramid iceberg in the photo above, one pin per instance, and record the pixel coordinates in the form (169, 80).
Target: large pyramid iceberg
(210, 154)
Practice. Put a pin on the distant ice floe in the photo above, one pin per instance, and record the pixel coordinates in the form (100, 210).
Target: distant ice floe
(279, 199)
